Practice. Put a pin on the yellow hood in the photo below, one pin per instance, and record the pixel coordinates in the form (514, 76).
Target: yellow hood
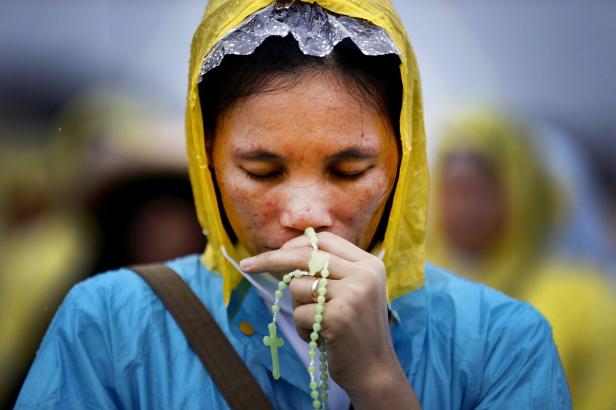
(530, 198)
(404, 237)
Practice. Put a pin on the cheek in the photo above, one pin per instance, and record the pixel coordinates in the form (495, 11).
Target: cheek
(361, 203)
(248, 208)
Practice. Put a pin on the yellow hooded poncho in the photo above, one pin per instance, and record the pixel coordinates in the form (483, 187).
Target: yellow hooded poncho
(403, 242)
(531, 201)
(576, 300)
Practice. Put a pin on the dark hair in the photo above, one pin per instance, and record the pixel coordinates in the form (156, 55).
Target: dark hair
(278, 62)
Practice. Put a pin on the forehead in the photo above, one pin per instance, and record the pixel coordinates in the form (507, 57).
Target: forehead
(316, 113)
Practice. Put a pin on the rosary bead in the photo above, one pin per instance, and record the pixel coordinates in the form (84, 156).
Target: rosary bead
(318, 265)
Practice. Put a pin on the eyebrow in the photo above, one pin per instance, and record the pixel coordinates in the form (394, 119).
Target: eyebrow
(346, 154)
(257, 155)
(353, 153)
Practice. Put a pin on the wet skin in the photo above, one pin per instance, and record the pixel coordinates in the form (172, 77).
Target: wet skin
(311, 155)
(314, 155)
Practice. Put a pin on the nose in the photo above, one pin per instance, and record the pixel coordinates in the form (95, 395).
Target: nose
(306, 206)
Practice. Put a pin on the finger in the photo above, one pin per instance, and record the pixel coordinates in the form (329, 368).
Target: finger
(331, 243)
(301, 290)
(340, 246)
(304, 334)
(288, 260)
(301, 241)
(304, 317)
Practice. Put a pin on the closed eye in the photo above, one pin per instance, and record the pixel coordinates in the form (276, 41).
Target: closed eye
(349, 175)
(269, 176)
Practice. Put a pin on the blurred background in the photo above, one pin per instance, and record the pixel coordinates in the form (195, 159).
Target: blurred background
(92, 167)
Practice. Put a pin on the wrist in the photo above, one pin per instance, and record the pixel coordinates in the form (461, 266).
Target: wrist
(383, 387)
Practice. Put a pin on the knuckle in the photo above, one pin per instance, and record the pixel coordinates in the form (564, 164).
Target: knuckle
(324, 235)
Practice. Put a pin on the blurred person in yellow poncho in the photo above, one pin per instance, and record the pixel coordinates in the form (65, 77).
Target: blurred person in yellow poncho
(44, 238)
(71, 207)
(493, 210)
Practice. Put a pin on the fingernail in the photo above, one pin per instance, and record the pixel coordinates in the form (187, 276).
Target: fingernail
(246, 263)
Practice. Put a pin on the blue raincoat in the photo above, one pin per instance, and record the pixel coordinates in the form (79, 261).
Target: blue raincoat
(462, 345)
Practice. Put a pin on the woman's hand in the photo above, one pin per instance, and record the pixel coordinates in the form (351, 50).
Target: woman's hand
(355, 323)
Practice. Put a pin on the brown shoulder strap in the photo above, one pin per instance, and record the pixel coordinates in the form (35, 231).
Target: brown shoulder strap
(222, 362)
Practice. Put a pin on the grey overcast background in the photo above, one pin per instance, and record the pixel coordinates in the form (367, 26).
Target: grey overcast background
(555, 59)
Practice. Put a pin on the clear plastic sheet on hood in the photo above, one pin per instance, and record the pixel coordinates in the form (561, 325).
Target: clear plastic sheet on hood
(316, 30)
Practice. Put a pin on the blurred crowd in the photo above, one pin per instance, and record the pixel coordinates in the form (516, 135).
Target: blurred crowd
(96, 179)
(107, 188)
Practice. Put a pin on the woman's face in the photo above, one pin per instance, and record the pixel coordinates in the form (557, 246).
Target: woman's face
(306, 155)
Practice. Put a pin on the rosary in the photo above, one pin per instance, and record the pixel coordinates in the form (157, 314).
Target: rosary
(318, 264)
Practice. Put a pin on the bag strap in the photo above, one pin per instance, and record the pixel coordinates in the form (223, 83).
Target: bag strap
(228, 371)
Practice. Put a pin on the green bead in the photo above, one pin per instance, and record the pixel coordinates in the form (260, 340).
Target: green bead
(311, 369)
(320, 308)
(278, 294)
(314, 336)
(322, 290)
(323, 368)
(323, 358)
(314, 394)
(316, 327)
(297, 273)
(324, 377)
(324, 396)
(275, 308)
(324, 282)
(311, 353)
(287, 278)
(318, 318)
(313, 385)
(311, 234)
(316, 404)
(282, 285)
(324, 273)
(324, 386)
(320, 299)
